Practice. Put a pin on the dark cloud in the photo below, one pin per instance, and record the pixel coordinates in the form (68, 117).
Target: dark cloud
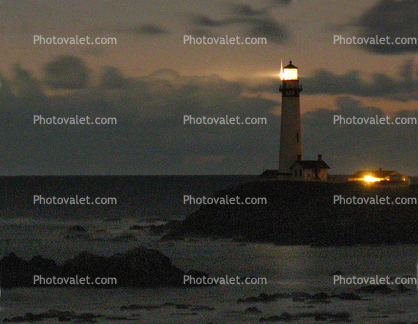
(66, 72)
(348, 148)
(393, 18)
(273, 31)
(112, 78)
(402, 88)
(25, 84)
(241, 9)
(255, 22)
(150, 137)
(281, 2)
(253, 26)
(137, 30)
(246, 10)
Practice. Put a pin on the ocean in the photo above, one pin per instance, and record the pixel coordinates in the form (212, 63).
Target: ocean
(27, 230)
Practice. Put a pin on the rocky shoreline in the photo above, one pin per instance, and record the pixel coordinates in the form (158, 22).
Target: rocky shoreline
(303, 306)
(139, 267)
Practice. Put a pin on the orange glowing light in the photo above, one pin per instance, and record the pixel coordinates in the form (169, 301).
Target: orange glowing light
(371, 179)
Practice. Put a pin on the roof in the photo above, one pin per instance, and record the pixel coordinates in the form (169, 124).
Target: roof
(375, 174)
(311, 164)
(290, 66)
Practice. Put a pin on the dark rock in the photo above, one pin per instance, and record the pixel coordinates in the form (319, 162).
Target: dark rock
(342, 316)
(252, 311)
(320, 317)
(64, 319)
(76, 229)
(156, 230)
(139, 267)
(264, 298)
(336, 273)
(402, 289)
(248, 300)
(17, 272)
(371, 289)
(76, 232)
(137, 227)
(202, 308)
(117, 318)
(172, 237)
(136, 307)
(348, 296)
(302, 295)
(273, 318)
(123, 238)
(320, 296)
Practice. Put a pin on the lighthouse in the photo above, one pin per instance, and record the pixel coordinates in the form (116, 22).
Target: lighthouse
(291, 164)
(291, 129)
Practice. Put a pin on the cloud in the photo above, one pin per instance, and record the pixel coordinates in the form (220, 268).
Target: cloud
(402, 88)
(255, 22)
(150, 137)
(66, 72)
(112, 78)
(380, 85)
(253, 26)
(147, 29)
(348, 148)
(25, 85)
(246, 10)
(391, 18)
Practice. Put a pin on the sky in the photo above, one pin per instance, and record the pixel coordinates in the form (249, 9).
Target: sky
(150, 79)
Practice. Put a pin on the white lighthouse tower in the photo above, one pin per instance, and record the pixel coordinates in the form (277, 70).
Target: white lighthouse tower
(291, 130)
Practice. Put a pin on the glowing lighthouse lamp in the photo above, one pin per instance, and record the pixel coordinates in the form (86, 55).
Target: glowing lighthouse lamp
(289, 73)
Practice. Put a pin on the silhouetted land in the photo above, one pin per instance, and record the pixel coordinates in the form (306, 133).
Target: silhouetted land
(304, 213)
(138, 197)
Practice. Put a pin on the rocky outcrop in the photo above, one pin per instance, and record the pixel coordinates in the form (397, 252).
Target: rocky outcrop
(306, 213)
(77, 232)
(16, 272)
(139, 267)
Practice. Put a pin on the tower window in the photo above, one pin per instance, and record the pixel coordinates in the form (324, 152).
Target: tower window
(297, 137)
